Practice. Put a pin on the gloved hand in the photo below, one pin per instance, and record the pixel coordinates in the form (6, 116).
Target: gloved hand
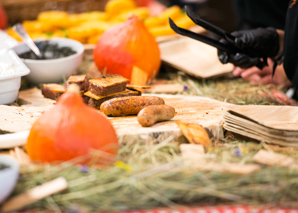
(263, 41)
(238, 59)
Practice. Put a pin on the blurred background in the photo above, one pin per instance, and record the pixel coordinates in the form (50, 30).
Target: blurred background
(218, 12)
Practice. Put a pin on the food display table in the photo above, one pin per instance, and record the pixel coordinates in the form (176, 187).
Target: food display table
(190, 163)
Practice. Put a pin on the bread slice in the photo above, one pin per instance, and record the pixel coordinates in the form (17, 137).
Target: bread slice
(107, 85)
(80, 80)
(52, 91)
(96, 101)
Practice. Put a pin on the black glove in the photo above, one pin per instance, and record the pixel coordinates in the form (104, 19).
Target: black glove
(238, 59)
(257, 43)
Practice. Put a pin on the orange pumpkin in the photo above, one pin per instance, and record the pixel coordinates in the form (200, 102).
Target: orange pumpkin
(143, 3)
(3, 18)
(70, 129)
(126, 45)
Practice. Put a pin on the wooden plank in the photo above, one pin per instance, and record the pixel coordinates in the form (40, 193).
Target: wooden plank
(272, 159)
(35, 194)
(7, 3)
(20, 118)
(193, 57)
(165, 88)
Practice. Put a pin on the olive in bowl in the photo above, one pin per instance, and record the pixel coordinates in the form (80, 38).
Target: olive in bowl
(61, 57)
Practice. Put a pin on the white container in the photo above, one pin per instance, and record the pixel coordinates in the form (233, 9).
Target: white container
(10, 83)
(53, 70)
(6, 42)
(8, 176)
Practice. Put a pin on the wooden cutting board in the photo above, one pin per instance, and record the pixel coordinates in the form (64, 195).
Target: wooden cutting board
(193, 109)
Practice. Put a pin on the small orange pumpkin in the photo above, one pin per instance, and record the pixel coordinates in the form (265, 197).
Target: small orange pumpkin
(126, 45)
(3, 18)
(70, 129)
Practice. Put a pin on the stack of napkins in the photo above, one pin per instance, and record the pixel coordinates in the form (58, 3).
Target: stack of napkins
(271, 124)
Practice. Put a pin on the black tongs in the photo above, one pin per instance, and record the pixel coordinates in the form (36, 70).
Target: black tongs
(230, 48)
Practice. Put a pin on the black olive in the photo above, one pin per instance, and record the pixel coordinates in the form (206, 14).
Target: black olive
(48, 51)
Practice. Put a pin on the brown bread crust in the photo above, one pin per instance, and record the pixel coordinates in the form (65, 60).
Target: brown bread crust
(107, 85)
(80, 80)
(128, 92)
(52, 91)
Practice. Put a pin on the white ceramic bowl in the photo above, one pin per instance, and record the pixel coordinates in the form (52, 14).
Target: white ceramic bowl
(53, 70)
(8, 176)
(10, 83)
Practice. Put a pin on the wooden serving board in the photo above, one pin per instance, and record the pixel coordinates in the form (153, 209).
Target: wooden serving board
(193, 109)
